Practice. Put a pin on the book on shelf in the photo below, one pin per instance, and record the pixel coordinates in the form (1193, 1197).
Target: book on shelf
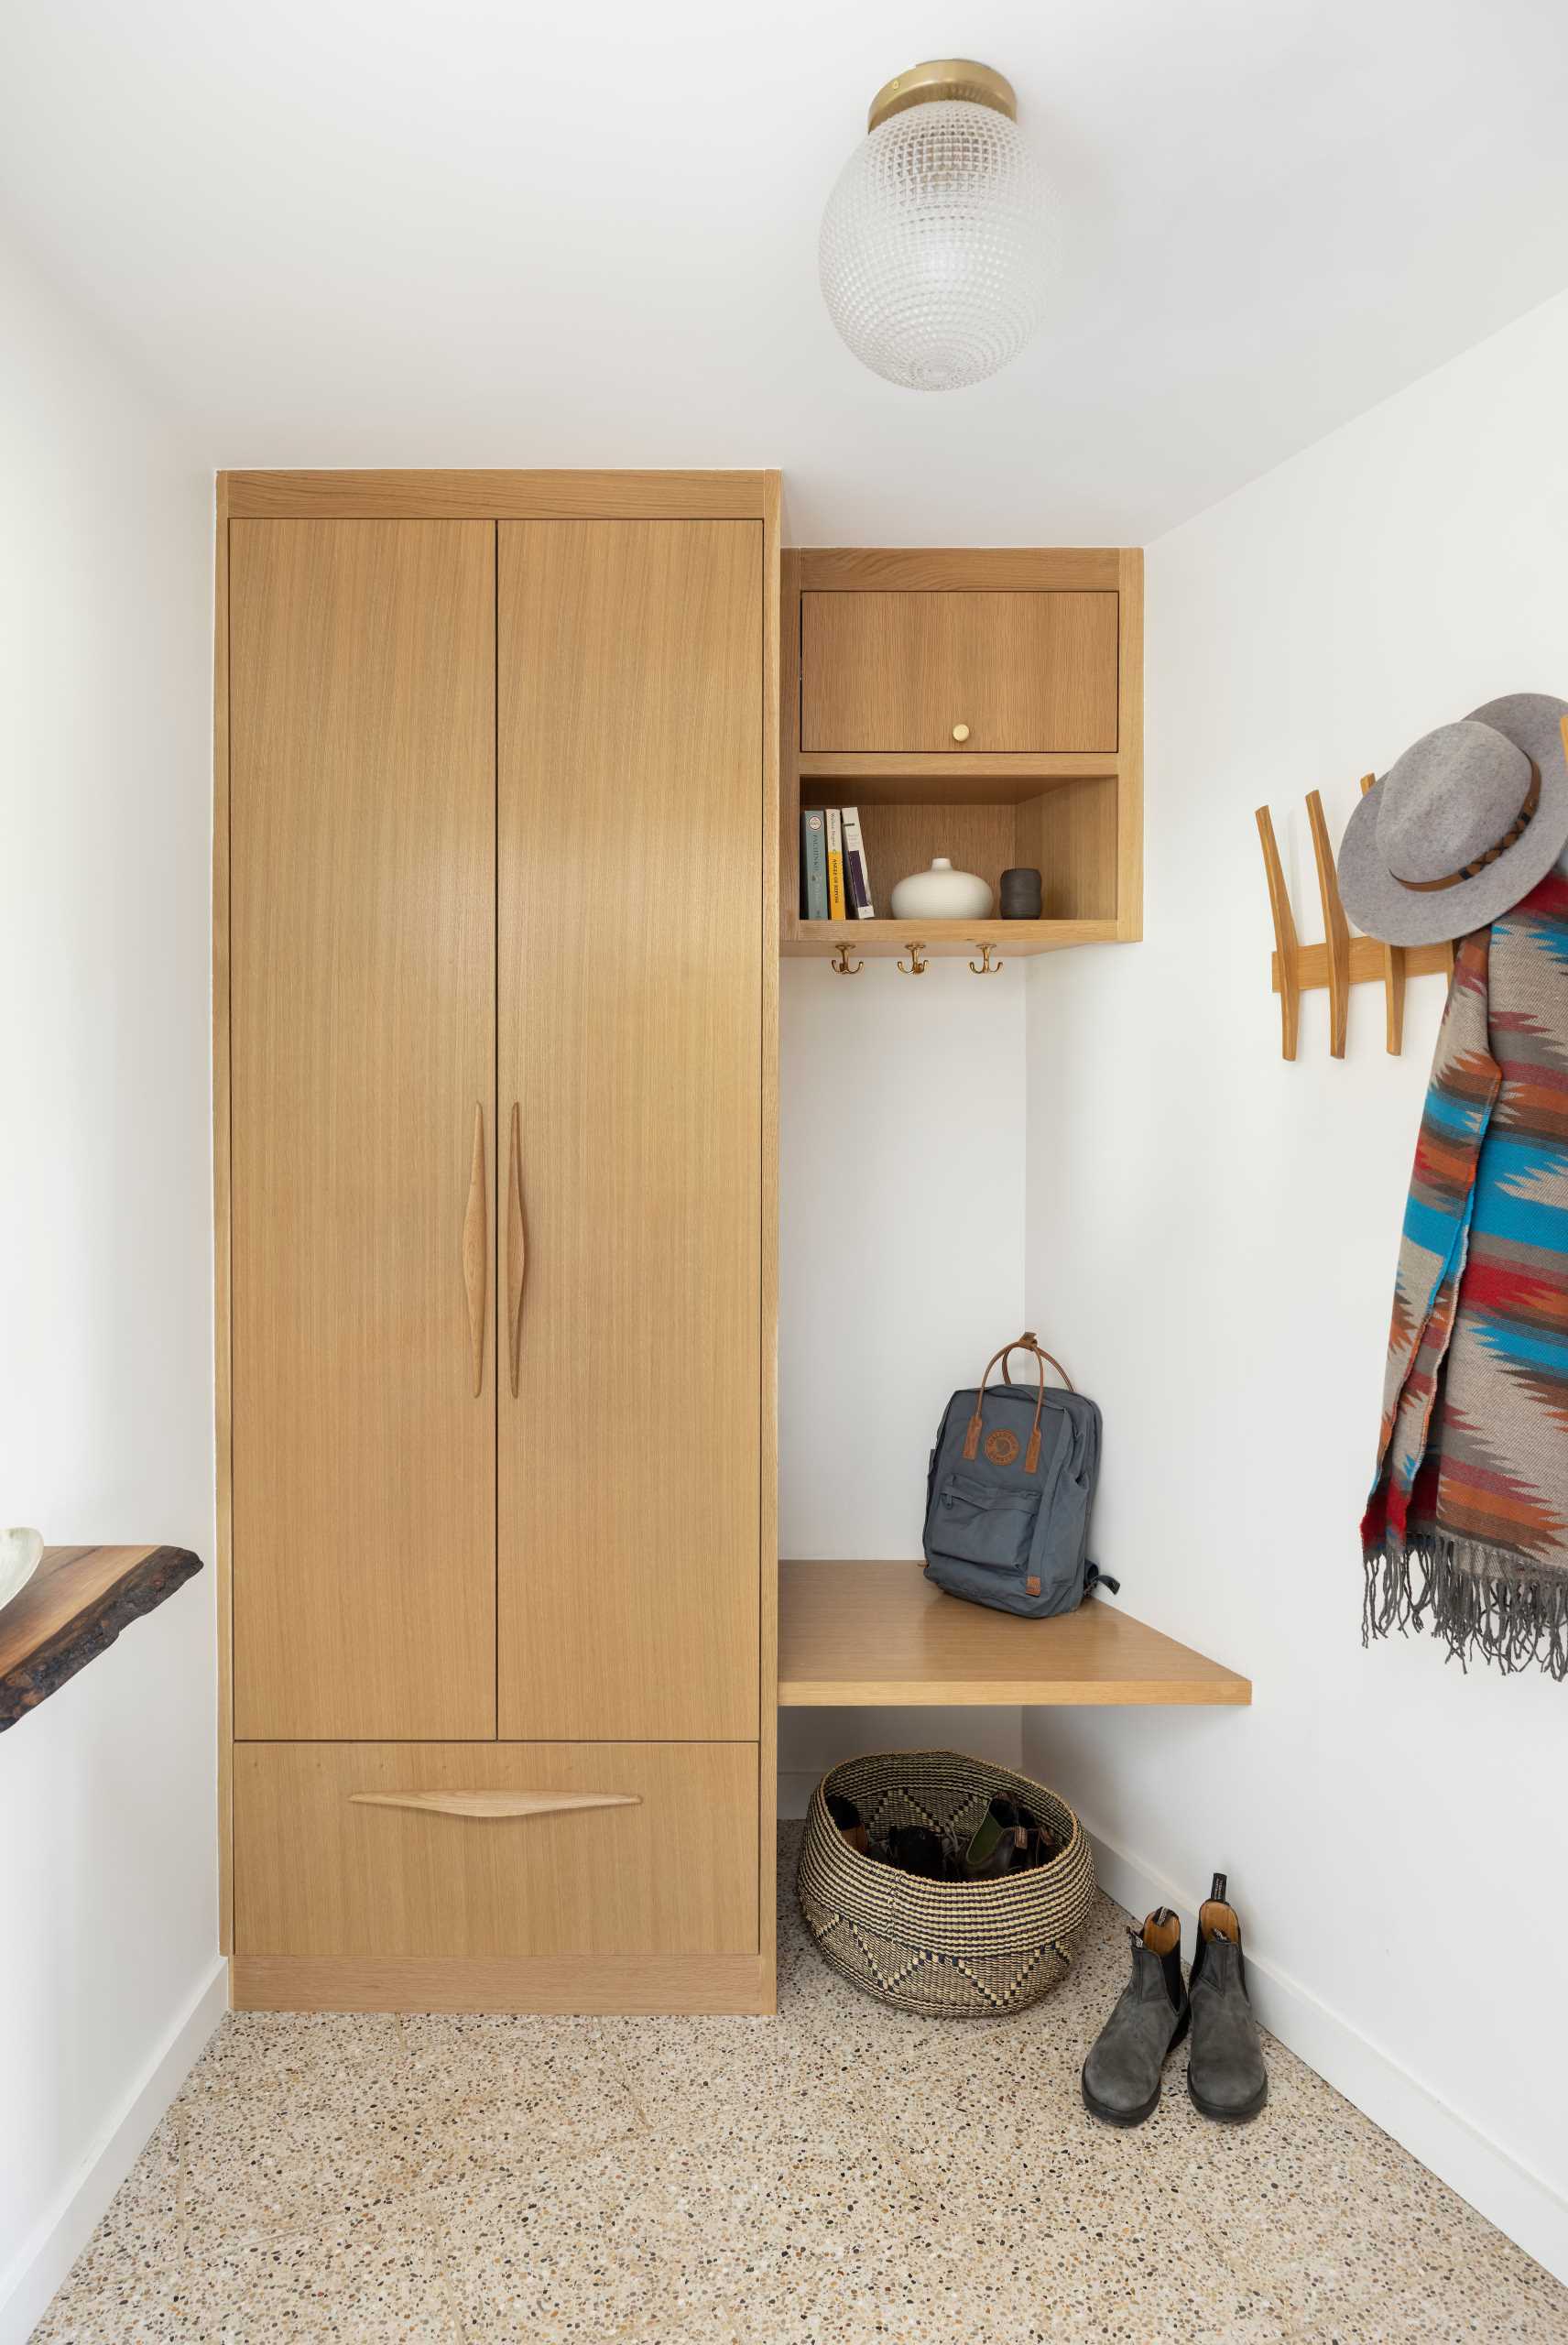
(856, 872)
(814, 863)
(836, 874)
(835, 865)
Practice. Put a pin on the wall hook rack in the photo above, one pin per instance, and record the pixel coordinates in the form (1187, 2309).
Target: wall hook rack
(1342, 960)
(845, 966)
(916, 964)
(986, 966)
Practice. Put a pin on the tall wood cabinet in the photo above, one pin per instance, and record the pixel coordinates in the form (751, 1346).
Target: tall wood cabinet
(497, 901)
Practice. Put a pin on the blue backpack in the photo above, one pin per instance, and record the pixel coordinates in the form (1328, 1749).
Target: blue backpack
(1011, 1484)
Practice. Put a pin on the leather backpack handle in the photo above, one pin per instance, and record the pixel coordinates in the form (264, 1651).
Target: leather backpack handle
(1030, 1342)
(1024, 1343)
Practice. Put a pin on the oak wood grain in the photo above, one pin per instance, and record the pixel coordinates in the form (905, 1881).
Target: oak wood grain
(222, 1411)
(943, 939)
(1364, 964)
(633, 1983)
(631, 825)
(491, 1806)
(1393, 974)
(1287, 959)
(73, 1607)
(778, 673)
(903, 840)
(1070, 834)
(362, 980)
(517, 1248)
(900, 671)
(477, 1251)
(1336, 927)
(321, 1872)
(790, 764)
(865, 1633)
(952, 570)
(1130, 738)
(495, 496)
(993, 778)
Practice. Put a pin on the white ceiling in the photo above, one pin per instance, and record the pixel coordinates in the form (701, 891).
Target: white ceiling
(457, 232)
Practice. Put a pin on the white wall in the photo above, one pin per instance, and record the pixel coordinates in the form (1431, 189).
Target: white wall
(1212, 1236)
(901, 1270)
(107, 1794)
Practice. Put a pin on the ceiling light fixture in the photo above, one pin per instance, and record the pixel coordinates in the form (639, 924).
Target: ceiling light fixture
(935, 248)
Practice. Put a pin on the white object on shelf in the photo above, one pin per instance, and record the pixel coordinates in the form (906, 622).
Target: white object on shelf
(942, 893)
(21, 1551)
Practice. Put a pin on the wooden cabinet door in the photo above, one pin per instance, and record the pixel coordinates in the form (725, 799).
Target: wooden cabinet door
(630, 1003)
(361, 990)
(901, 670)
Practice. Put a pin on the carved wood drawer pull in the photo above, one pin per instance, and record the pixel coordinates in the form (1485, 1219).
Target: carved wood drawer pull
(486, 1804)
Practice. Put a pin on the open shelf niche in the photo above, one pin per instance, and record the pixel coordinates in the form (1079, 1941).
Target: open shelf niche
(1074, 813)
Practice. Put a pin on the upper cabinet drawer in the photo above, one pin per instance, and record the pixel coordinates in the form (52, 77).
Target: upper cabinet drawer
(959, 672)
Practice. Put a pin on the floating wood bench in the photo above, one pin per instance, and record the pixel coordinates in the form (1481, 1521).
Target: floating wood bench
(863, 1633)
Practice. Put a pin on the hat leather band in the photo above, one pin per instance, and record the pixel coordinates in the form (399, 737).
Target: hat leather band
(1511, 837)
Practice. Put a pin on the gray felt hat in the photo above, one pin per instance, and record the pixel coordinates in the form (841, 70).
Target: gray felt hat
(1462, 827)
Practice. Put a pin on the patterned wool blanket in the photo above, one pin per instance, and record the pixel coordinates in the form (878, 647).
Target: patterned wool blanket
(1468, 1518)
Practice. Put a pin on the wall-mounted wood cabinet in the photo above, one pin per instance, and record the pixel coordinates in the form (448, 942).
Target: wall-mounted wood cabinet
(982, 705)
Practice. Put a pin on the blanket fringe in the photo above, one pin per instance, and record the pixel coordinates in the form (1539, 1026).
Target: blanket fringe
(1480, 1602)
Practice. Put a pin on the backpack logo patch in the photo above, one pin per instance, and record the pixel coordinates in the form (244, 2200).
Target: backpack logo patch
(1001, 1446)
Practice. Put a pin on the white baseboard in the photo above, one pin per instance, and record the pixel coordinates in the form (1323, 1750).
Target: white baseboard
(1522, 2204)
(64, 2230)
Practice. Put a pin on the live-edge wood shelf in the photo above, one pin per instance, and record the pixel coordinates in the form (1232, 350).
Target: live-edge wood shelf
(879, 1634)
(73, 1607)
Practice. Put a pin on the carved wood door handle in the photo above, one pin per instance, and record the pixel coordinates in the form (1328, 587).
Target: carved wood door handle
(517, 1248)
(475, 1251)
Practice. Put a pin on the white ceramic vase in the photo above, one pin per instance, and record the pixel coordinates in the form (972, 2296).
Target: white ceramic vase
(942, 893)
(20, 1554)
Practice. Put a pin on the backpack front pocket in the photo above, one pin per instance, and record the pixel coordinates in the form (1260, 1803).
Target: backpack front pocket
(986, 1522)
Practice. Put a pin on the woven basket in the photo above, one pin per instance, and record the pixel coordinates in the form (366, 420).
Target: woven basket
(948, 1949)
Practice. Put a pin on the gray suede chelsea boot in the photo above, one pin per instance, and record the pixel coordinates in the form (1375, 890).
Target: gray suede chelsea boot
(1121, 2075)
(1226, 2074)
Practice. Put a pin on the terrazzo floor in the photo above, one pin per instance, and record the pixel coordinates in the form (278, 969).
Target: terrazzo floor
(840, 2174)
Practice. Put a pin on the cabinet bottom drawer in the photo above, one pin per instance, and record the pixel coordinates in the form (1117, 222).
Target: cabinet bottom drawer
(508, 1848)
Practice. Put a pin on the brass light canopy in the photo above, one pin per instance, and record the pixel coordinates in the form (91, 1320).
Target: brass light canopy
(944, 77)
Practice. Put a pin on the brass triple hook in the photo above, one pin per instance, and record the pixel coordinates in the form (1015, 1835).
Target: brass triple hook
(917, 963)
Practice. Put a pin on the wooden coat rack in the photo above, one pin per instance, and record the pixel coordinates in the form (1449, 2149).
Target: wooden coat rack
(1342, 960)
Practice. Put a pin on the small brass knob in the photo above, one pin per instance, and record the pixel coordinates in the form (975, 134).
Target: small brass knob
(961, 732)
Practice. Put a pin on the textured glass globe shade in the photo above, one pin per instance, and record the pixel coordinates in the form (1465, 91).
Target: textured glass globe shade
(935, 250)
